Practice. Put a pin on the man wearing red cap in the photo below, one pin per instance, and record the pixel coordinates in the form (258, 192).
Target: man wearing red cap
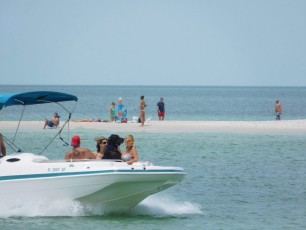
(77, 152)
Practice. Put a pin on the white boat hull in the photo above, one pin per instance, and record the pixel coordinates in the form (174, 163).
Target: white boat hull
(113, 184)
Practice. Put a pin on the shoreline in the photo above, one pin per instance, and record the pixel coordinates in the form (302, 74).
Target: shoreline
(283, 126)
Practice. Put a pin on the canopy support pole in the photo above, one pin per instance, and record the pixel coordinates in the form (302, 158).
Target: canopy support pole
(60, 131)
(19, 123)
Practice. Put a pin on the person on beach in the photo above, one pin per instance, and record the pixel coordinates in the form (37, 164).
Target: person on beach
(112, 111)
(142, 107)
(119, 107)
(87, 120)
(101, 146)
(130, 155)
(53, 122)
(77, 152)
(161, 109)
(278, 110)
(2, 147)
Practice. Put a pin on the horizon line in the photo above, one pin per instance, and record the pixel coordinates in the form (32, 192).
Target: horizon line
(146, 85)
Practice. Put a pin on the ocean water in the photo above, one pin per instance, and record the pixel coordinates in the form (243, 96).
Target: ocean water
(182, 102)
(233, 181)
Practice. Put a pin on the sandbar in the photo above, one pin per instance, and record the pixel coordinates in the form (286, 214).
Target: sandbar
(154, 126)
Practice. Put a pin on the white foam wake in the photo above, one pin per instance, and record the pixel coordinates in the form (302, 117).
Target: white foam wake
(156, 205)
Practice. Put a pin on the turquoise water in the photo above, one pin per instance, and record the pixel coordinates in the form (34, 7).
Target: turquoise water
(233, 181)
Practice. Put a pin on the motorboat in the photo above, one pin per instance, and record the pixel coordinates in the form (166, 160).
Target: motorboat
(110, 183)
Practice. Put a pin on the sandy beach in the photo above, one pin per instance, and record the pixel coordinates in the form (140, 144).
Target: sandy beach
(284, 126)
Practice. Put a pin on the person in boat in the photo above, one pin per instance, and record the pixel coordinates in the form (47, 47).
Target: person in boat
(77, 152)
(53, 122)
(130, 155)
(112, 111)
(101, 146)
(2, 147)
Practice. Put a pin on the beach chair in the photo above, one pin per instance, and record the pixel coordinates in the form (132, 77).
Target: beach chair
(122, 118)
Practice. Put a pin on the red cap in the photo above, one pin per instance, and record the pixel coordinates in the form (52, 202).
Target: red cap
(75, 140)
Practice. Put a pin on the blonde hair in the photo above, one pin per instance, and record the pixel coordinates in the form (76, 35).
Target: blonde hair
(129, 140)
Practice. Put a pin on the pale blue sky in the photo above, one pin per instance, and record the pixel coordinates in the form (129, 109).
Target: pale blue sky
(156, 42)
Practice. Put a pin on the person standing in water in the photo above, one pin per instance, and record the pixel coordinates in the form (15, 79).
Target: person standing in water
(278, 110)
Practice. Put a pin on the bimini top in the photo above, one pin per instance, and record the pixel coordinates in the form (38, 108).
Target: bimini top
(34, 97)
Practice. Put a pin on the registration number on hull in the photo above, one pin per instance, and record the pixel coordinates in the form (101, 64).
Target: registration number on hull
(56, 169)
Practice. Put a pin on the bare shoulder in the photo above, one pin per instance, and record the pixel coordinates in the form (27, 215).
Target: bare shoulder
(87, 150)
(134, 149)
(68, 152)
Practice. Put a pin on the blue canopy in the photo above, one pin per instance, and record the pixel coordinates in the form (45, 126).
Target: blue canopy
(32, 98)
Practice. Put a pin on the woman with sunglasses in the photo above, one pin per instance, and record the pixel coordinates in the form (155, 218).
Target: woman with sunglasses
(101, 146)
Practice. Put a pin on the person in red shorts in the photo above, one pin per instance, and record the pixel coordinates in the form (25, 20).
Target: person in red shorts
(161, 109)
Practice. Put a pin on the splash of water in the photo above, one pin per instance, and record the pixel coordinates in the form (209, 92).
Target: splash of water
(156, 205)
(159, 205)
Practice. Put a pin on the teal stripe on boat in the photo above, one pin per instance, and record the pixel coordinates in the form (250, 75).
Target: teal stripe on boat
(46, 175)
